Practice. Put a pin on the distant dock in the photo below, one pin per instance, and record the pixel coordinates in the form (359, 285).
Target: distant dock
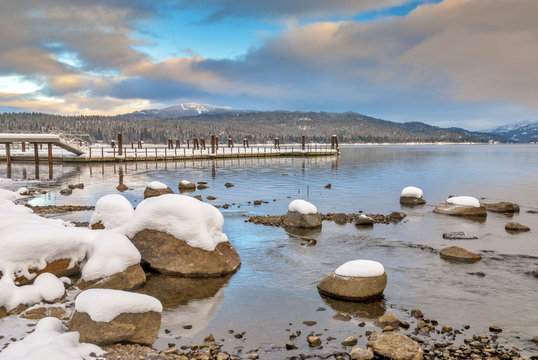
(17, 147)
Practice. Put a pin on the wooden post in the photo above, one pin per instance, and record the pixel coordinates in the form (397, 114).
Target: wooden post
(40, 146)
(217, 142)
(120, 144)
(188, 144)
(136, 154)
(132, 144)
(336, 142)
(212, 144)
(114, 152)
(146, 154)
(102, 153)
(332, 142)
(230, 143)
(23, 146)
(246, 140)
(90, 150)
(8, 159)
(49, 145)
(177, 144)
(202, 143)
(139, 144)
(303, 142)
(112, 144)
(36, 156)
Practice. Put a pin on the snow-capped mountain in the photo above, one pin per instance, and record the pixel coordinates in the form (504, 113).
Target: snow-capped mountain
(520, 132)
(184, 110)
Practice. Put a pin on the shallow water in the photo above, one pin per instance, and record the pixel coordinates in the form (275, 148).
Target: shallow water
(276, 284)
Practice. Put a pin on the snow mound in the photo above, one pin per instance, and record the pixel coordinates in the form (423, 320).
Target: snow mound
(112, 211)
(22, 191)
(412, 192)
(302, 207)
(45, 287)
(48, 342)
(186, 218)
(360, 268)
(464, 201)
(103, 305)
(110, 253)
(156, 185)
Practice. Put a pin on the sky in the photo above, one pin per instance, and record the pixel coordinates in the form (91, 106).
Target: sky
(465, 63)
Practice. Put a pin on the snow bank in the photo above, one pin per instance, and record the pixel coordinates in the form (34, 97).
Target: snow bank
(8, 195)
(156, 185)
(360, 268)
(412, 192)
(112, 211)
(104, 305)
(45, 287)
(110, 253)
(186, 218)
(302, 207)
(49, 342)
(464, 201)
(11, 207)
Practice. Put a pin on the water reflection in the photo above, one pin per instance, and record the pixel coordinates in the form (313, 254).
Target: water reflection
(370, 309)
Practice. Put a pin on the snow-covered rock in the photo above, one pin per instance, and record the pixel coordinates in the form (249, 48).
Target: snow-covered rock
(197, 223)
(356, 280)
(412, 195)
(461, 206)
(111, 211)
(46, 287)
(49, 341)
(186, 186)
(105, 316)
(360, 268)
(363, 220)
(180, 235)
(302, 214)
(156, 188)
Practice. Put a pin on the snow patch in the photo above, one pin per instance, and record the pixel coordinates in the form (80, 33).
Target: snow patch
(103, 305)
(110, 253)
(464, 201)
(156, 185)
(112, 211)
(186, 218)
(360, 268)
(48, 341)
(412, 192)
(302, 207)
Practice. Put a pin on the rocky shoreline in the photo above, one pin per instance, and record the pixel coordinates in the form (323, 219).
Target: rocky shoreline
(341, 218)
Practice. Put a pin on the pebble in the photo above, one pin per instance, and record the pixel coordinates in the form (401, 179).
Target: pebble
(310, 323)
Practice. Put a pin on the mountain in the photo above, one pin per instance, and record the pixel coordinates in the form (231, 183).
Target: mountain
(520, 132)
(183, 110)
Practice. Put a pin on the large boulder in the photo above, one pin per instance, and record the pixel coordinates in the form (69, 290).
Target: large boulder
(156, 188)
(461, 206)
(302, 214)
(394, 346)
(105, 317)
(179, 235)
(503, 207)
(172, 256)
(411, 195)
(458, 254)
(128, 279)
(357, 280)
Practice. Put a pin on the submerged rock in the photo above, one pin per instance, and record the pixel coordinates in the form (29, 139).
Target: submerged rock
(458, 235)
(516, 227)
(458, 254)
(503, 207)
(395, 346)
(340, 218)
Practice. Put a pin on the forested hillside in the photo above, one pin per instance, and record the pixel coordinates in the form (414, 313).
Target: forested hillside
(258, 127)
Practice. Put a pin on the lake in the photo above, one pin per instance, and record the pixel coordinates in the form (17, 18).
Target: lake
(275, 289)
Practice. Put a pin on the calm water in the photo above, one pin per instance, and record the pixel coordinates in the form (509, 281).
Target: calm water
(276, 284)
